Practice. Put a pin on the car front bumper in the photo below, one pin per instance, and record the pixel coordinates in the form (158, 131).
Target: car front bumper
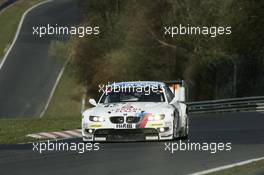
(139, 134)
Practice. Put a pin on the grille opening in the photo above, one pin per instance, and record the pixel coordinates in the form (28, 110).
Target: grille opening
(132, 119)
(117, 119)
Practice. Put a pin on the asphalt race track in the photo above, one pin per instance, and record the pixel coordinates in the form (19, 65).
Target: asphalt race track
(244, 130)
(28, 74)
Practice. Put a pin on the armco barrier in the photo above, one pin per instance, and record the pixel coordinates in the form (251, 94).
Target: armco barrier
(227, 105)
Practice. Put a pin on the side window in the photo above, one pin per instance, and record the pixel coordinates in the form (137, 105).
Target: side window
(169, 94)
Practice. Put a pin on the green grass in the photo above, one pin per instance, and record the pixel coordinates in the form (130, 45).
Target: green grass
(9, 20)
(62, 114)
(256, 168)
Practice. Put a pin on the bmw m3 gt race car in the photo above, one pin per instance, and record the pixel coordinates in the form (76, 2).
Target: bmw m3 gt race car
(138, 110)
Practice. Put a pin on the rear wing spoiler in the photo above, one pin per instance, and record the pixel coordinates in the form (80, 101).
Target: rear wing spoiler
(178, 88)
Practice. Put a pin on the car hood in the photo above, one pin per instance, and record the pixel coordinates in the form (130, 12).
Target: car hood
(128, 108)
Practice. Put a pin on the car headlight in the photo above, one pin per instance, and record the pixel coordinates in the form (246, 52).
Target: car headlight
(156, 117)
(96, 118)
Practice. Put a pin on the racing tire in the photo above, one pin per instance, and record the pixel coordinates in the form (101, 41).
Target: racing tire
(175, 125)
(186, 130)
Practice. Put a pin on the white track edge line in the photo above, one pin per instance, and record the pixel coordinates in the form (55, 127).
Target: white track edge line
(53, 91)
(18, 30)
(54, 88)
(7, 7)
(227, 166)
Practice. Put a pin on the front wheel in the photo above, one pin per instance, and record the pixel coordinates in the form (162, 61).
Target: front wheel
(186, 129)
(175, 125)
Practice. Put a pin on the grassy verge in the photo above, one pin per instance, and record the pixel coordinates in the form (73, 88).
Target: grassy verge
(63, 114)
(9, 20)
(255, 168)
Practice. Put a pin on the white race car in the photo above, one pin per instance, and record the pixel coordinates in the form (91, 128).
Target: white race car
(137, 110)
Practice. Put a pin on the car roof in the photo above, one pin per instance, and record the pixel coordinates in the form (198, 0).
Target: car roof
(138, 83)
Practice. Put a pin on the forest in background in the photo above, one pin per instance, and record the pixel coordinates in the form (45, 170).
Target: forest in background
(132, 45)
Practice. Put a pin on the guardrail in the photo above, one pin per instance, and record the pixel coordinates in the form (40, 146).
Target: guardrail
(227, 105)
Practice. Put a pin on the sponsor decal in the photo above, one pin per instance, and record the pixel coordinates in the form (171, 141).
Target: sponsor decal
(94, 126)
(125, 126)
(127, 108)
(144, 120)
(155, 124)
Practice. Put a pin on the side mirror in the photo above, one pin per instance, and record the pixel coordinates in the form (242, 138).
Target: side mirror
(92, 102)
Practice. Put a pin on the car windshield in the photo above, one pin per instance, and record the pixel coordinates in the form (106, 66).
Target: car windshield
(128, 96)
